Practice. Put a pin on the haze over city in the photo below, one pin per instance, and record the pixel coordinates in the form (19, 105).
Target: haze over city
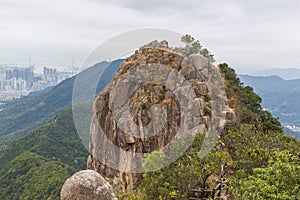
(255, 34)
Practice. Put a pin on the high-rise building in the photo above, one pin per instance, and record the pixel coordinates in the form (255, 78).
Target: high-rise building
(2, 79)
(50, 74)
(24, 73)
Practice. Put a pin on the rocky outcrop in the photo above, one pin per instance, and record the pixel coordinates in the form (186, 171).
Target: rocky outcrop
(230, 114)
(87, 184)
(143, 102)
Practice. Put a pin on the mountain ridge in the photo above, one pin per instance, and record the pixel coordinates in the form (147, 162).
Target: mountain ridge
(19, 117)
(285, 73)
(280, 96)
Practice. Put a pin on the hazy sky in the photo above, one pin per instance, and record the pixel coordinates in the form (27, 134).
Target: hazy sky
(245, 34)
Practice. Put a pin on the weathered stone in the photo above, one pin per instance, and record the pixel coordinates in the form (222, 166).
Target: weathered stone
(230, 114)
(200, 105)
(205, 72)
(87, 185)
(156, 44)
(200, 88)
(129, 139)
(199, 61)
(189, 71)
(202, 129)
(164, 44)
(205, 120)
(196, 108)
(187, 95)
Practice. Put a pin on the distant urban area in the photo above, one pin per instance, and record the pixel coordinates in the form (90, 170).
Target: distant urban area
(19, 80)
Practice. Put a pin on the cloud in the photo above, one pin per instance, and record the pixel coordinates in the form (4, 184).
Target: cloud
(258, 32)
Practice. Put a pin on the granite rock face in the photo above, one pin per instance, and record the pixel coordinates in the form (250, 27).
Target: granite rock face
(87, 185)
(143, 101)
(158, 92)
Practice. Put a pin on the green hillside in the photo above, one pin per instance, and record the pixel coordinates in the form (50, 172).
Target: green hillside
(19, 117)
(36, 166)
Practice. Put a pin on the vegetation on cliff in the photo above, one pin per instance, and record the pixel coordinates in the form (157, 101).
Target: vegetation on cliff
(261, 162)
(246, 103)
(265, 161)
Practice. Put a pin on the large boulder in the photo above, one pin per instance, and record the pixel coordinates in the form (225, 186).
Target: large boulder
(87, 185)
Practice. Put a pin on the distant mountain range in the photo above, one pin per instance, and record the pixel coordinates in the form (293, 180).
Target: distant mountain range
(281, 97)
(285, 73)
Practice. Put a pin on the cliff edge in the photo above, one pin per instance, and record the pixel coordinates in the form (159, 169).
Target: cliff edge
(144, 100)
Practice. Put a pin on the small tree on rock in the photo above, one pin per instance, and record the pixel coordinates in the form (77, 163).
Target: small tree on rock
(187, 39)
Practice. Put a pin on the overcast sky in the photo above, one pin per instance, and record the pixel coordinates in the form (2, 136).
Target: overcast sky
(245, 34)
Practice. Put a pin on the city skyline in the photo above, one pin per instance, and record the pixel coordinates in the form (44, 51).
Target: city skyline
(38, 68)
(17, 81)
